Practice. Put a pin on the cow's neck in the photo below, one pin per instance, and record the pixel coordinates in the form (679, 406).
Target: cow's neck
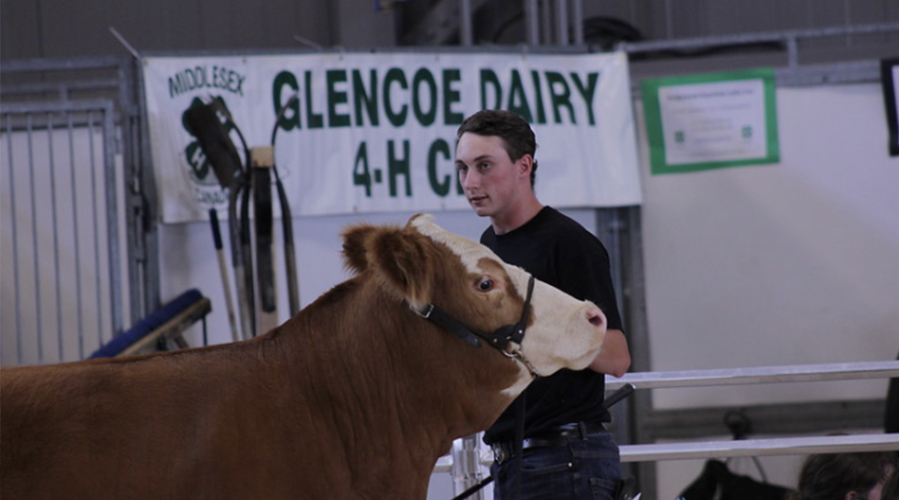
(396, 388)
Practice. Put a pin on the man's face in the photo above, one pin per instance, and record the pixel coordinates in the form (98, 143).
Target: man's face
(490, 179)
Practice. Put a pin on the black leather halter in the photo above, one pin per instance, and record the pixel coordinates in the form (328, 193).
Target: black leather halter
(506, 338)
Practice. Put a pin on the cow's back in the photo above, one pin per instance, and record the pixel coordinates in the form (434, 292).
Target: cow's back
(194, 423)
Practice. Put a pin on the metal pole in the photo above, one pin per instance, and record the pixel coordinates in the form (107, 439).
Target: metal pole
(466, 36)
(757, 375)
(54, 220)
(562, 22)
(112, 219)
(34, 228)
(465, 467)
(577, 15)
(760, 447)
(546, 27)
(531, 18)
(15, 238)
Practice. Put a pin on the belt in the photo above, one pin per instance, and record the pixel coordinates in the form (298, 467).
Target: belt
(554, 437)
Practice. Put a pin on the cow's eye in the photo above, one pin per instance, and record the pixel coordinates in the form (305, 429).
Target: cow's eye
(485, 284)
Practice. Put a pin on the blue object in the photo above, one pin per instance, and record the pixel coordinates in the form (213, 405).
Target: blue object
(146, 326)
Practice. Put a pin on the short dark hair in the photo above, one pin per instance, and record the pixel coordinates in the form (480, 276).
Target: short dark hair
(514, 130)
(833, 475)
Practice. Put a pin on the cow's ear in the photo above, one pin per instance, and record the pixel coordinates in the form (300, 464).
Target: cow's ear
(403, 257)
(355, 246)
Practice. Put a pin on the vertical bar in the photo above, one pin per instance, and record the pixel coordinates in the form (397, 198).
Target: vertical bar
(137, 251)
(847, 14)
(611, 229)
(577, 14)
(638, 338)
(562, 22)
(15, 241)
(29, 127)
(54, 224)
(669, 21)
(466, 36)
(96, 225)
(148, 207)
(465, 468)
(531, 18)
(112, 220)
(792, 51)
(547, 24)
(76, 240)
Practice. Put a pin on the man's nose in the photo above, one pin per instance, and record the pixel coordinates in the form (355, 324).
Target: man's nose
(469, 179)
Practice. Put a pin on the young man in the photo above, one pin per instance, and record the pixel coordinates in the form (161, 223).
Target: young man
(567, 451)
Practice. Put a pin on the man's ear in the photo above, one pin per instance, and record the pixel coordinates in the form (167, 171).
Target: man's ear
(526, 164)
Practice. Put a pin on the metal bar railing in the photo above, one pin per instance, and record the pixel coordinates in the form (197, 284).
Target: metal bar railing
(736, 448)
(760, 447)
(54, 211)
(789, 37)
(746, 447)
(756, 375)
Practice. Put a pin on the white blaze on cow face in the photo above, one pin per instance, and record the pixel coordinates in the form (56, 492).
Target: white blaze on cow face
(563, 332)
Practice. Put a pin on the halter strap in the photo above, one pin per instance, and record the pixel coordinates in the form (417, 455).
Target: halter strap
(499, 338)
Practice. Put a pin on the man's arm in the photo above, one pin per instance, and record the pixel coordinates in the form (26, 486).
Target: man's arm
(615, 358)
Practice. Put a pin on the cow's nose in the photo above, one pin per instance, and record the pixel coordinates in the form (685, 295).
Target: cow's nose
(596, 317)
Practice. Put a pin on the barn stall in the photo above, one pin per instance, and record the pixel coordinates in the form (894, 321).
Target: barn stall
(762, 236)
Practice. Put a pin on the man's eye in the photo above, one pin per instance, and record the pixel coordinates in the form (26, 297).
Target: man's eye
(485, 284)
(484, 166)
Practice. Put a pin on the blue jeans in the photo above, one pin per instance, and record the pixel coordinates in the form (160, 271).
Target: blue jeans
(585, 469)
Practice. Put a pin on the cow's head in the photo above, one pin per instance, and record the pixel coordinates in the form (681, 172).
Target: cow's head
(424, 264)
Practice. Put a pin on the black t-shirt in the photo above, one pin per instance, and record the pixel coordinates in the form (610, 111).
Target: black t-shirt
(558, 251)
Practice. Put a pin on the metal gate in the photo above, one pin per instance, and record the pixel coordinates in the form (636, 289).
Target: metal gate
(60, 257)
(74, 263)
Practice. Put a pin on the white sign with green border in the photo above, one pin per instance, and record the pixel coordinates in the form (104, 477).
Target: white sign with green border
(701, 122)
(363, 132)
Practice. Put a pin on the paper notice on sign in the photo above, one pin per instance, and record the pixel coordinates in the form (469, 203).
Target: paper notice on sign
(711, 121)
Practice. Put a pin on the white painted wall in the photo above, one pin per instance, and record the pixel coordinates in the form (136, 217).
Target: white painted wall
(794, 263)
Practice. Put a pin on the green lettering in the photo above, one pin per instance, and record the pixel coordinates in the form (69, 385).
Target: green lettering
(560, 95)
(587, 92)
(397, 119)
(424, 76)
(397, 167)
(450, 97)
(488, 77)
(440, 187)
(290, 118)
(361, 173)
(315, 120)
(366, 98)
(336, 97)
(538, 91)
(518, 101)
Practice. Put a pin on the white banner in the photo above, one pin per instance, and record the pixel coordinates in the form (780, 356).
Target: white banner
(376, 132)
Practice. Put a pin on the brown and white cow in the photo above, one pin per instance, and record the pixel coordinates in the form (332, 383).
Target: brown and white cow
(356, 396)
